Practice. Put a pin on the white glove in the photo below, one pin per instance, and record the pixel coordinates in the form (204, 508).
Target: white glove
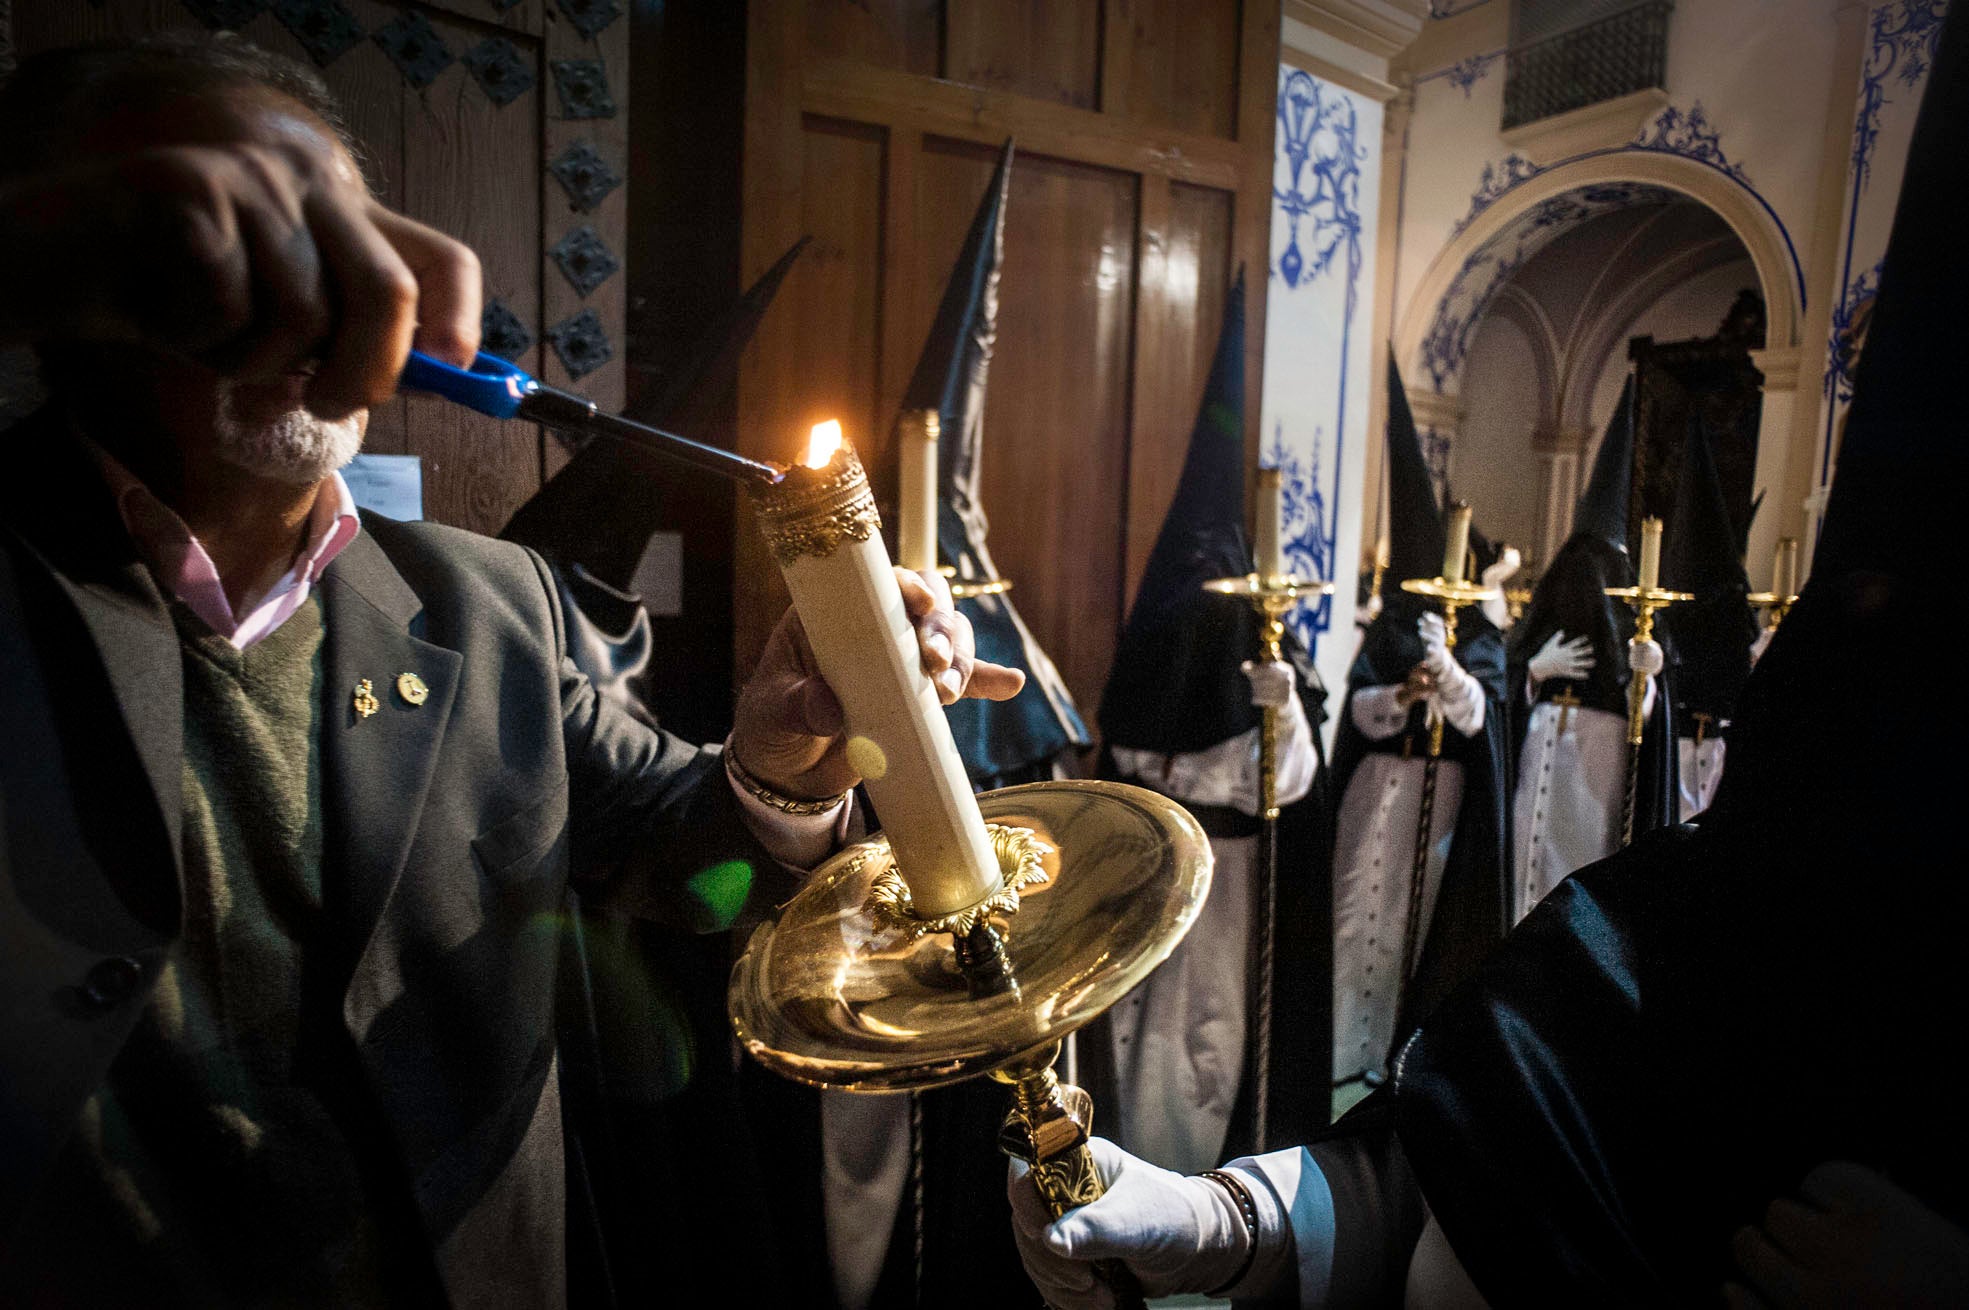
(1271, 684)
(1435, 645)
(1458, 697)
(1560, 658)
(1645, 657)
(1176, 1234)
(1507, 564)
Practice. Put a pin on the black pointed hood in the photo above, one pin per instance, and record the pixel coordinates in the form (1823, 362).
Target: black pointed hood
(1603, 507)
(1415, 521)
(600, 510)
(1710, 635)
(1175, 685)
(1000, 741)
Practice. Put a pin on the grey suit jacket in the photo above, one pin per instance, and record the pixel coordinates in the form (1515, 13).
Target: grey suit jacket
(452, 831)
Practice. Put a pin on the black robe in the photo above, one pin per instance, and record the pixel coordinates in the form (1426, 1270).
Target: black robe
(1571, 598)
(1678, 1034)
(1473, 907)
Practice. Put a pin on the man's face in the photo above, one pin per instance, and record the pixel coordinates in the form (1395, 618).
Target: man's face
(257, 424)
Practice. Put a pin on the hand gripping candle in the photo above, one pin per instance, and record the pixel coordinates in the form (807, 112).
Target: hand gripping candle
(821, 523)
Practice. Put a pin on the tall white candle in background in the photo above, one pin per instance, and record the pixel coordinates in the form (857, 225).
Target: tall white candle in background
(1269, 552)
(1650, 553)
(1456, 542)
(1784, 569)
(916, 537)
(822, 526)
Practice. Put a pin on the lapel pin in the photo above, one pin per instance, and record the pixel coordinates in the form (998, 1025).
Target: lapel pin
(412, 689)
(365, 699)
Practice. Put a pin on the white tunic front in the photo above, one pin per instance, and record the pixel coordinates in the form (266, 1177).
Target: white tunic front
(1702, 769)
(1373, 868)
(1566, 813)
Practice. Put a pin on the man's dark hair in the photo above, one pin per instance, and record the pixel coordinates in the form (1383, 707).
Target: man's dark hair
(56, 96)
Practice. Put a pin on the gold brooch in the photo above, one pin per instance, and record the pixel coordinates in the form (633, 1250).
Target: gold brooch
(365, 704)
(412, 689)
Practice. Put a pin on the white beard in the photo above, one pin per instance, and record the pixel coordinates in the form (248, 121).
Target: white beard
(297, 447)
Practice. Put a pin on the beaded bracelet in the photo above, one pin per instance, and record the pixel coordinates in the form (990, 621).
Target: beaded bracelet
(1248, 1210)
(766, 796)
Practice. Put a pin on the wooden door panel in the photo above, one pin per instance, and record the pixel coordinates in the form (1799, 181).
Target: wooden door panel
(906, 35)
(1056, 443)
(1048, 49)
(471, 168)
(1178, 338)
(1173, 63)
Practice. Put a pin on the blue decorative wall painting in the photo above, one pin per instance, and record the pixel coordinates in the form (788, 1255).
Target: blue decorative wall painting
(1316, 328)
(1317, 130)
(1901, 40)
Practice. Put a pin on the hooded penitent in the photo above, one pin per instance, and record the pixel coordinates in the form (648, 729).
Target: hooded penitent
(1175, 686)
(594, 519)
(1679, 1034)
(1572, 730)
(1380, 778)
(1709, 638)
(1176, 715)
(1002, 742)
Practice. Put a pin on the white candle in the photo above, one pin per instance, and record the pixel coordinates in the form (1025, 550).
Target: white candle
(823, 528)
(1269, 552)
(1784, 569)
(917, 535)
(1650, 553)
(1456, 542)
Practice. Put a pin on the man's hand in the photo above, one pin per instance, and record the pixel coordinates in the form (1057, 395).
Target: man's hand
(249, 259)
(1645, 658)
(788, 731)
(1177, 1234)
(1850, 1238)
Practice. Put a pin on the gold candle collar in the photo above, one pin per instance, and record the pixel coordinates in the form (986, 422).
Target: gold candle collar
(811, 511)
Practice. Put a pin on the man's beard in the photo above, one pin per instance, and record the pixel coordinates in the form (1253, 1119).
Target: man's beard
(294, 447)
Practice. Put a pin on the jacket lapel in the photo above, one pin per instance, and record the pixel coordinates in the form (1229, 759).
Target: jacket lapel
(378, 767)
(70, 522)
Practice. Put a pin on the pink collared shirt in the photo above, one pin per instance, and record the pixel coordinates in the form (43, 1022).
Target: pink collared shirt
(182, 566)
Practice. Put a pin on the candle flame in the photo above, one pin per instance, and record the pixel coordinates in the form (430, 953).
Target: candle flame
(822, 443)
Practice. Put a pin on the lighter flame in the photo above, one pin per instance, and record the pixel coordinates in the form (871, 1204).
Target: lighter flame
(821, 445)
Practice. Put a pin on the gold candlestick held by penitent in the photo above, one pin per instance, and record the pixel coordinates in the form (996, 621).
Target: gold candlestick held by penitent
(1777, 602)
(1645, 598)
(1272, 596)
(1452, 592)
(975, 932)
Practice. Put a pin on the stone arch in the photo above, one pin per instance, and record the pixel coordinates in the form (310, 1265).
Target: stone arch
(1432, 333)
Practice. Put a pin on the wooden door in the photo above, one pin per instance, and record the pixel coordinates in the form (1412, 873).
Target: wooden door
(1141, 181)
(502, 122)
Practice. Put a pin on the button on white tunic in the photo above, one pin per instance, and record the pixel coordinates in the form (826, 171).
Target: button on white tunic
(1374, 860)
(1566, 813)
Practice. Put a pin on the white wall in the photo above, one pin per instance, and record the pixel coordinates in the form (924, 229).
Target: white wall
(1491, 465)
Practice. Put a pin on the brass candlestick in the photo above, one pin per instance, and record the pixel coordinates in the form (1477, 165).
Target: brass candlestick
(1644, 601)
(970, 589)
(850, 989)
(1273, 597)
(895, 967)
(1452, 594)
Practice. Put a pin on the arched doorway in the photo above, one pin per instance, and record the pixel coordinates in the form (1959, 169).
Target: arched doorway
(1704, 217)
